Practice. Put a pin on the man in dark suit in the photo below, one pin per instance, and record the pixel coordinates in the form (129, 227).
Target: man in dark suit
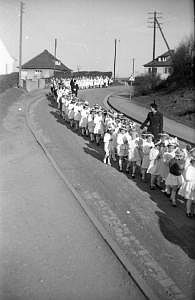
(75, 88)
(72, 84)
(154, 121)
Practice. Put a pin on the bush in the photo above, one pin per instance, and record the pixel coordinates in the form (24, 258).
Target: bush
(183, 63)
(8, 81)
(146, 83)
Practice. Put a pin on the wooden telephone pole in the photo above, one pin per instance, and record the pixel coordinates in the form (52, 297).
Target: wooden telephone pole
(115, 43)
(55, 52)
(20, 43)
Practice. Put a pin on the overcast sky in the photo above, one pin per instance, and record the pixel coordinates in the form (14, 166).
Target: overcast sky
(86, 29)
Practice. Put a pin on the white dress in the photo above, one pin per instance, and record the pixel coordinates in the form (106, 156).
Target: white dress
(83, 120)
(187, 190)
(164, 164)
(90, 123)
(119, 141)
(132, 153)
(146, 150)
(69, 109)
(98, 121)
(154, 162)
(77, 114)
(107, 143)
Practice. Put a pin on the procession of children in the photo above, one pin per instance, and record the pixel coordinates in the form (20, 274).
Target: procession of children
(163, 162)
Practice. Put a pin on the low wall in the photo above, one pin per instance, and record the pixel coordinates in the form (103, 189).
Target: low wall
(31, 85)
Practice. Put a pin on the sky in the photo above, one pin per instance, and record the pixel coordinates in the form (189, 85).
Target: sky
(86, 30)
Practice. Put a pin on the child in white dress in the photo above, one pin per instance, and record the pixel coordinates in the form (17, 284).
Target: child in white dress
(147, 146)
(91, 125)
(99, 127)
(132, 157)
(187, 189)
(122, 147)
(154, 157)
(83, 120)
(107, 146)
(168, 154)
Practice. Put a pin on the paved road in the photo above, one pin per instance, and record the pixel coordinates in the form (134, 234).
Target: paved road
(157, 238)
(49, 249)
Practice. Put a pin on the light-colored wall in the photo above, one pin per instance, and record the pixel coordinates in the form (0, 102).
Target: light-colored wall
(6, 61)
(32, 74)
(161, 72)
(31, 85)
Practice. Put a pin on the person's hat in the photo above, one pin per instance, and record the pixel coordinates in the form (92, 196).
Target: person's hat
(110, 129)
(149, 134)
(174, 141)
(179, 153)
(164, 134)
(115, 115)
(153, 105)
(192, 153)
(171, 144)
(123, 128)
(133, 129)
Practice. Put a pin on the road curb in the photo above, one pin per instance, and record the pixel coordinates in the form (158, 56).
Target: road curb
(140, 282)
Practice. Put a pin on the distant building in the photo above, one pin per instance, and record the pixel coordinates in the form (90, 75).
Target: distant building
(162, 65)
(44, 66)
(6, 61)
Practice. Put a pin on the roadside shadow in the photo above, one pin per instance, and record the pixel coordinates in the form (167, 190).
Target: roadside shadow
(58, 118)
(50, 99)
(184, 237)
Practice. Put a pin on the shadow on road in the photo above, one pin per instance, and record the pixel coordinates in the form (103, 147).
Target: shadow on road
(173, 223)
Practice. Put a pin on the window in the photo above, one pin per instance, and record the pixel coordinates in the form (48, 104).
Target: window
(38, 73)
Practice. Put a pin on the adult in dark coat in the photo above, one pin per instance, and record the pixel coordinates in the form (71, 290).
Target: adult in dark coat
(75, 88)
(154, 121)
(72, 85)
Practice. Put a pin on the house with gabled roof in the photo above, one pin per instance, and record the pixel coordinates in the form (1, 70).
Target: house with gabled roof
(44, 65)
(162, 65)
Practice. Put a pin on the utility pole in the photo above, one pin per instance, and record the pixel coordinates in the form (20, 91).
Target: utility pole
(20, 43)
(154, 36)
(115, 43)
(153, 20)
(133, 66)
(55, 48)
(55, 51)
(132, 79)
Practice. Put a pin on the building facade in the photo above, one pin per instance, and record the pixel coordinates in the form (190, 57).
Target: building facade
(6, 61)
(162, 65)
(40, 68)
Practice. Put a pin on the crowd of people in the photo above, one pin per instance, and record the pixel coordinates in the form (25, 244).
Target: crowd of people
(171, 168)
